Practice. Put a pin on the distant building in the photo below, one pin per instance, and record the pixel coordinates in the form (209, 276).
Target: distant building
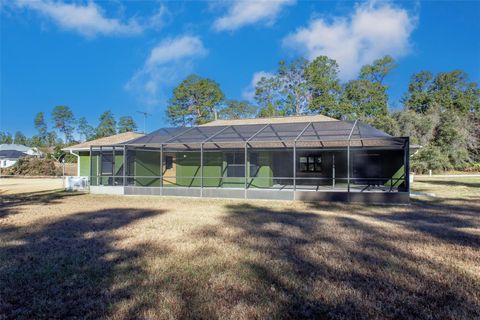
(10, 153)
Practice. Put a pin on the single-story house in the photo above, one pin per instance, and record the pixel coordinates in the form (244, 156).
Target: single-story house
(10, 153)
(289, 158)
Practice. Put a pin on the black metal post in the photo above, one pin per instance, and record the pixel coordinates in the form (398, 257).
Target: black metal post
(294, 169)
(161, 169)
(333, 171)
(90, 178)
(124, 165)
(407, 164)
(348, 158)
(113, 166)
(201, 170)
(245, 173)
(99, 167)
(348, 167)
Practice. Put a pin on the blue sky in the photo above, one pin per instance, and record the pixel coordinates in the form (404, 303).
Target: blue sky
(127, 56)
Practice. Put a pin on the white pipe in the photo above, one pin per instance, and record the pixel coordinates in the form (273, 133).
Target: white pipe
(78, 162)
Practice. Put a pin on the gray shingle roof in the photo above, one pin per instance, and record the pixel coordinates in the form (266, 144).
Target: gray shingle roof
(12, 154)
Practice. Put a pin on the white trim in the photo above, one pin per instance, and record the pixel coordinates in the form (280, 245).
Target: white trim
(78, 162)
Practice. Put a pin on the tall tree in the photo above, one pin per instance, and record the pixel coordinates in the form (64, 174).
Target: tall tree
(418, 97)
(420, 128)
(451, 137)
(367, 97)
(20, 138)
(387, 123)
(63, 119)
(41, 126)
(126, 124)
(235, 109)
(285, 92)
(293, 86)
(324, 87)
(36, 141)
(107, 125)
(378, 70)
(5, 137)
(453, 91)
(84, 129)
(363, 99)
(450, 102)
(53, 139)
(195, 101)
(268, 97)
(474, 136)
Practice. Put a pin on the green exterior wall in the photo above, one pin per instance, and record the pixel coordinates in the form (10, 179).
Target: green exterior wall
(147, 164)
(84, 163)
(188, 169)
(264, 177)
(85, 168)
(189, 174)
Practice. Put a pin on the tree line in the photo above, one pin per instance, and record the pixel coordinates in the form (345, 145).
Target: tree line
(440, 111)
(65, 122)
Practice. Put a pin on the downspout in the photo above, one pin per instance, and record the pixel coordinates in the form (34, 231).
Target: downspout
(78, 161)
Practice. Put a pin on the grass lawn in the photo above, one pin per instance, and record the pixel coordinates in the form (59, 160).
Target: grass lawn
(66, 255)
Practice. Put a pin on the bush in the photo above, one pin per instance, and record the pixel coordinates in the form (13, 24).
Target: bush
(33, 167)
(430, 158)
(471, 167)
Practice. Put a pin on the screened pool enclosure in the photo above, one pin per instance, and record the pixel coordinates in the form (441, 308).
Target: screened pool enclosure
(325, 160)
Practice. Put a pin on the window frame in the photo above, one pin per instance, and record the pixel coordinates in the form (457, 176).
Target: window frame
(310, 163)
(235, 169)
(109, 164)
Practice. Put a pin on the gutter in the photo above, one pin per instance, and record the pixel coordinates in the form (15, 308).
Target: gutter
(78, 161)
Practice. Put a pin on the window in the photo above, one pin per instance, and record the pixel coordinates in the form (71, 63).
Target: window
(311, 163)
(107, 164)
(168, 162)
(235, 164)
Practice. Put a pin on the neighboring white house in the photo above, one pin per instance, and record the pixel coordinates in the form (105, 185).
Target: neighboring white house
(10, 153)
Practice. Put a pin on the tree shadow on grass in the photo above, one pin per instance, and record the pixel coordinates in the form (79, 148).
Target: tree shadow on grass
(70, 268)
(287, 264)
(453, 183)
(442, 218)
(309, 265)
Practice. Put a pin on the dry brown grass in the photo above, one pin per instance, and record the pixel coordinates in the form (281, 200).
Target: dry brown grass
(27, 185)
(88, 256)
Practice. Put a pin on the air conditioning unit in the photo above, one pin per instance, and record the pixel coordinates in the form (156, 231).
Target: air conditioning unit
(76, 183)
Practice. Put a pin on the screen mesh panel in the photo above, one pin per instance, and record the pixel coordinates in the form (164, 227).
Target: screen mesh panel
(322, 134)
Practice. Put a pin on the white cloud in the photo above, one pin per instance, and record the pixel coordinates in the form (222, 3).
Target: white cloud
(167, 63)
(249, 92)
(246, 12)
(158, 19)
(370, 32)
(176, 49)
(89, 19)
